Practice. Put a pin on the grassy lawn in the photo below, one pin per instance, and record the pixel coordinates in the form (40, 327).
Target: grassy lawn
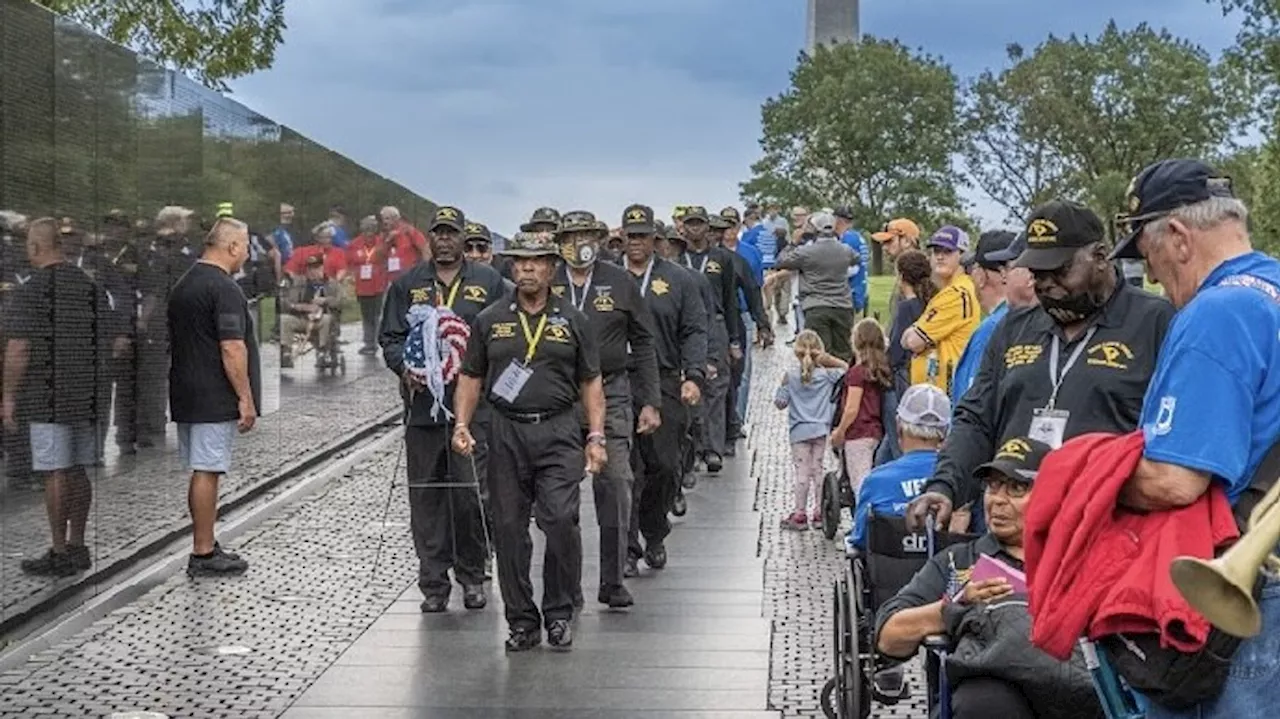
(878, 289)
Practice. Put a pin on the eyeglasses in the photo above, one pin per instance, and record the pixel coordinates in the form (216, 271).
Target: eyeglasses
(478, 246)
(1015, 489)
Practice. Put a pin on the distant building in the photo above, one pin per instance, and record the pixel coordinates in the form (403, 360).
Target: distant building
(832, 22)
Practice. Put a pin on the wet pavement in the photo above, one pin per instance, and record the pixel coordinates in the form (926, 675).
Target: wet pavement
(142, 497)
(737, 625)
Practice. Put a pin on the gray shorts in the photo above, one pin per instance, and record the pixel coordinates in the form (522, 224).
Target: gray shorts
(63, 446)
(206, 447)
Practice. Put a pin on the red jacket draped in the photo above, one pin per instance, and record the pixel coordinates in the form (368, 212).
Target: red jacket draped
(1095, 567)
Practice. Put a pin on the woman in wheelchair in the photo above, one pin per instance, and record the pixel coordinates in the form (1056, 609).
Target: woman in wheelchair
(973, 595)
(310, 308)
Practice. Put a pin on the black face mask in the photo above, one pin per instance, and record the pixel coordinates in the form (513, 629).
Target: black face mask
(1072, 308)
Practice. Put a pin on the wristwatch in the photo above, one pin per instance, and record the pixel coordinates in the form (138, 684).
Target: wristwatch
(596, 438)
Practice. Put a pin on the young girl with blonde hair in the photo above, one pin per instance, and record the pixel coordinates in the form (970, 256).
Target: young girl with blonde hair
(807, 395)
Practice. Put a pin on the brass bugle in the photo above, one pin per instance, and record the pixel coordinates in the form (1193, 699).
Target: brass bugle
(1222, 589)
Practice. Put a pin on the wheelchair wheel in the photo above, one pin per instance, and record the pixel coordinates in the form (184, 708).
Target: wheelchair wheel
(858, 668)
(831, 504)
(342, 363)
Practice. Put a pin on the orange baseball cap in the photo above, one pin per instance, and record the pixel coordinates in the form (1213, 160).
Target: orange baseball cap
(901, 227)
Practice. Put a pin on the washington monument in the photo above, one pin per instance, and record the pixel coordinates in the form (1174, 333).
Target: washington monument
(832, 22)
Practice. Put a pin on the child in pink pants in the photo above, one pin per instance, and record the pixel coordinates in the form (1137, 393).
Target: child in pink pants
(808, 395)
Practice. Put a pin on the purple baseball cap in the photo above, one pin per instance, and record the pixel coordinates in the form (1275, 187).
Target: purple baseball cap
(950, 237)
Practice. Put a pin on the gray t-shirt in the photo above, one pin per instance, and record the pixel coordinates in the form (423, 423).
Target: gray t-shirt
(810, 407)
(823, 266)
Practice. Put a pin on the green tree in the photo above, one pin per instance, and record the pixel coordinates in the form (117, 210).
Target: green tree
(1095, 111)
(870, 125)
(215, 40)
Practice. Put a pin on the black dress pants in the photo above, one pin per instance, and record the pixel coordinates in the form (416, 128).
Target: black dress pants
(981, 697)
(536, 469)
(445, 520)
(656, 463)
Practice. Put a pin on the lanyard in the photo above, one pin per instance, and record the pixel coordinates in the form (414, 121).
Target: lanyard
(453, 290)
(701, 269)
(644, 281)
(1055, 350)
(531, 338)
(573, 292)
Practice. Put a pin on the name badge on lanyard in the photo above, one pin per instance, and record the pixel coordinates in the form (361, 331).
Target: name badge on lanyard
(1049, 424)
(366, 272)
(513, 379)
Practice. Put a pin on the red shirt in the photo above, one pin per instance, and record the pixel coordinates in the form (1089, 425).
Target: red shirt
(335, 260)
(366, 259)
(404, 250)
(867, 424)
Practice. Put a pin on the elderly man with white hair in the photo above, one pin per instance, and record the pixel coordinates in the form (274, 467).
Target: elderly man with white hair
(1212, 409)
(823, 266)
(405, 245)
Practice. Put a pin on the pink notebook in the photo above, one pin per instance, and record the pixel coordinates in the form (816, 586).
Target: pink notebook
(989, 568)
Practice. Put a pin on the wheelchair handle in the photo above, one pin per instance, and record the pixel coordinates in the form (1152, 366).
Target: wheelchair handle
(930, 533)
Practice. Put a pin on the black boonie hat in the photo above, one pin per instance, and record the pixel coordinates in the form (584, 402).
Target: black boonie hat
(695, 213)
(542, 216)
(1160, 189)
(448, 217)
(477, 231)
(638, 220)
(1018, 458)
(730, 215)
(1055, 231)
(991, 242)
(578, 221)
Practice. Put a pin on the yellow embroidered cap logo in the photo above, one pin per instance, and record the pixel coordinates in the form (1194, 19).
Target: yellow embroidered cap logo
(1014, 449)
(446, 213)
(636, 214)
(1041, 231)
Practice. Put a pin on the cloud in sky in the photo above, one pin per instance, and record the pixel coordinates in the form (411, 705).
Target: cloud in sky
(501, 106)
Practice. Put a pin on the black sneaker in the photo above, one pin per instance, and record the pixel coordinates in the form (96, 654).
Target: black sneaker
(615, 595)
(655, 555)
(522, 640)
(473, 596)
(218, 563)
(632, 568)
(50, 564)
(560, 635)
(79, 556)
(714, 462)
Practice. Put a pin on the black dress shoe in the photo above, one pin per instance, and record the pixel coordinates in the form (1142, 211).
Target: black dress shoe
(714, 462)
(473, 597)
(679, 506)
(655, 555)
(689, 480)
(560, 635)
(434, 605)
(632, 568)
(522, 640)
(615, 595)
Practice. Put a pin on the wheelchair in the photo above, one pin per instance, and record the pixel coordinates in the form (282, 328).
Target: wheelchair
(330, 361)
(871, 577)
(837, 494)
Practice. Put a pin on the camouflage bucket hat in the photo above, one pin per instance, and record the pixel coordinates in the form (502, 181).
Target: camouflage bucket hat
(542, 216)
(580, 221)
(531, 244)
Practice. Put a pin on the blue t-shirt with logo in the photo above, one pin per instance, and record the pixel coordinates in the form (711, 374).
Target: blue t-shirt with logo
(858, 273)
(1213, 404)
(890, 488)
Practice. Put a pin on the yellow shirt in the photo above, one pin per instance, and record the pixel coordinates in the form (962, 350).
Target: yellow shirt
(946, 324)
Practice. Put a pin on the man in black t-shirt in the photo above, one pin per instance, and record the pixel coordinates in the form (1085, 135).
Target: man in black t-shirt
(535, 357)
(214, 384)
(58, 329)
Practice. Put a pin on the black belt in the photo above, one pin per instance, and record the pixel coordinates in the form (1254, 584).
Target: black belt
(531, 417)
(614, 376)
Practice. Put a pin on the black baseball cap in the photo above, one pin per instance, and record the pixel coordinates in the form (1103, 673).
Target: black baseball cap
(730, 215)
(1055, 231)
(638, 220)
(1018, 458)
(1012, 252)
(1160, 189)
(695, 213)
(449, 217)
(478, 232)
(844, 212)
(990, 242)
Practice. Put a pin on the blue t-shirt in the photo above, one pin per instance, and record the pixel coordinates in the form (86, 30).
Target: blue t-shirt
(284, 242)
(762, 238)
(858, 273)
(810, 406)
(753, 257)
(340, 236)
(971, 358)
(1213, 404)
(890, 488)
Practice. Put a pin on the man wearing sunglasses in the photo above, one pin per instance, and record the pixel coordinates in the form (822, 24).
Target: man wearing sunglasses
(478, 246)
(1078, 362)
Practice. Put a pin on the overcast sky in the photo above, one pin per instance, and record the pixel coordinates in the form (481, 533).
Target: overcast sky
(499, 107)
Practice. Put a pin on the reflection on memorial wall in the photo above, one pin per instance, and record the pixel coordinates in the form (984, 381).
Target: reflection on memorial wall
(111, 168)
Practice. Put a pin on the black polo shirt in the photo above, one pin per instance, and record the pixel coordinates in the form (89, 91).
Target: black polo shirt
(717, 264)
(1103, 391)
(680, 321)
(947, 570)
(565, 354)
(474, 288)
(622, 324)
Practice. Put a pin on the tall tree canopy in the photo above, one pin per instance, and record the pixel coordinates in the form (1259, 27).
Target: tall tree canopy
(1080, 116)
(871, 125)
(215, 40)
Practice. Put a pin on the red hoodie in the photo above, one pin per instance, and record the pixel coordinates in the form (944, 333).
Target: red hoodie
(1092, 565)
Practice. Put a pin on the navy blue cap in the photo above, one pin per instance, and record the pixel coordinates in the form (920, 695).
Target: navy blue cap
(990, 243)
(1010, 253)
(1160, 189)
